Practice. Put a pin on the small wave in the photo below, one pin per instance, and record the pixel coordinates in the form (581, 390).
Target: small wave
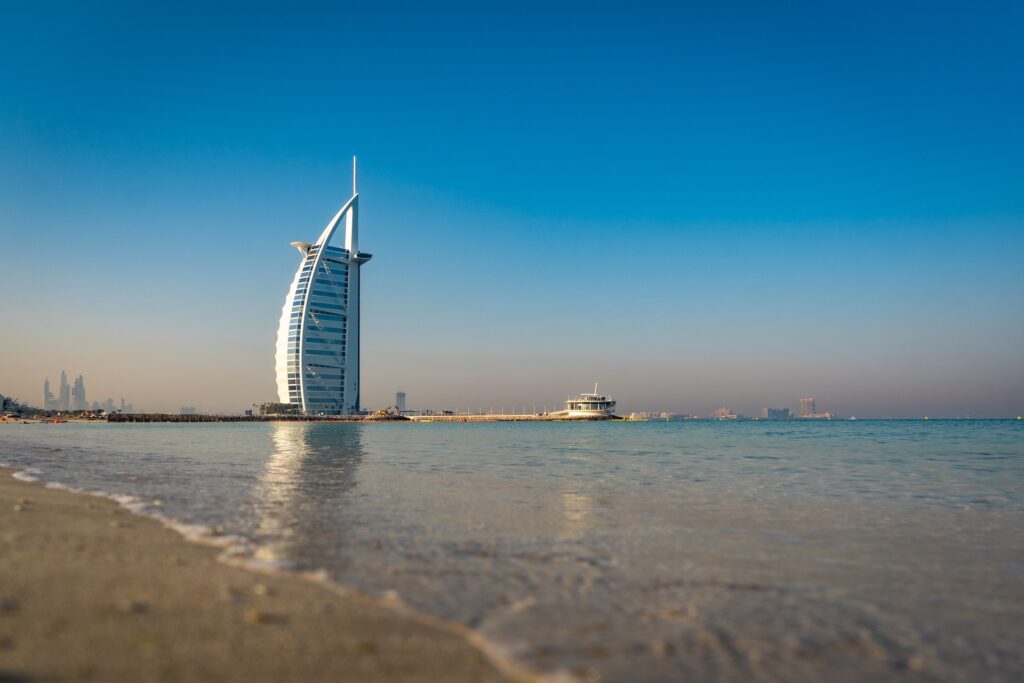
(28, 474)
(57, 486)
(196, 533)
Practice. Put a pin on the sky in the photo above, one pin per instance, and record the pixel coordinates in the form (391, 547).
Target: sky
(693, 204)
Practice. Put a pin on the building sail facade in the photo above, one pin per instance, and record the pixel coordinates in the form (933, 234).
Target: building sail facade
(317, 360)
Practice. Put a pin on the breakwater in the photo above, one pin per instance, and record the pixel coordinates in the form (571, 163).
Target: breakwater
(171, 417)
(159, 417)
(507, 418)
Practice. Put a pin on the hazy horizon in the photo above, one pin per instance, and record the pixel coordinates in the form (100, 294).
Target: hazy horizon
(734, 205)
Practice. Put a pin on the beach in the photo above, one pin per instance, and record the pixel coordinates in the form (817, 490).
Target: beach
(89, 591)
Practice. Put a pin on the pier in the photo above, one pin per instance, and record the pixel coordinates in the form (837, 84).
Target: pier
(541, 417)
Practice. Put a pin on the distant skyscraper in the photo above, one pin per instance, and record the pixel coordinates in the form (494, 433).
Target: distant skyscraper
(776, 414)
(807, 407)
(318, 337)
(78, 401)
(724, 413)
(400, 401)
(64, 400)
(49, 403)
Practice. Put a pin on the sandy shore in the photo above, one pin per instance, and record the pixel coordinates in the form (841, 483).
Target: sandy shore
(89, 591)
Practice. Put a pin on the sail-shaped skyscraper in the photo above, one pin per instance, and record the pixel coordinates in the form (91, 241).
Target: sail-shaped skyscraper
(318, 336)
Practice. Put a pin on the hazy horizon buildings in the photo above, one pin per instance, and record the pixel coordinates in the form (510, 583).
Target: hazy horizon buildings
(776, 414)
(809, 409)
(66, 398)
(49, 402)
(64, 395)
(73, 398)
(651, 416)
(106, 406)
(807, 406)
(317, 359)
(110, 407)
(78, 401)
(400, 401)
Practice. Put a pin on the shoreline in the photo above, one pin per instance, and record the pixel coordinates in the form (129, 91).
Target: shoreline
(90, 590)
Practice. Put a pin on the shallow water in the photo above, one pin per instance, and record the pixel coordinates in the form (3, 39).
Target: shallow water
(621, 551)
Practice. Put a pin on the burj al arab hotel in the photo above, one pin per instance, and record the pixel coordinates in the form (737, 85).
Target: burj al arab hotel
(318, 336)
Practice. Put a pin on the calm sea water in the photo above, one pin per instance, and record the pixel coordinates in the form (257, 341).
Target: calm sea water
(621, 551)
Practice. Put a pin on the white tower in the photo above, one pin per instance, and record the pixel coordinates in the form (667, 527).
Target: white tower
(318, 335)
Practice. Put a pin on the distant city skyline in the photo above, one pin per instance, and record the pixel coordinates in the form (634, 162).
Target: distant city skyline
(74, 398)
(696, 205)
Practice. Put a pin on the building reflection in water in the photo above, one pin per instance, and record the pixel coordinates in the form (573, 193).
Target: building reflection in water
(303, 493)
(577, 508)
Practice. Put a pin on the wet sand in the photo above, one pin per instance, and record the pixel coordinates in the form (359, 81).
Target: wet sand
(89, 591)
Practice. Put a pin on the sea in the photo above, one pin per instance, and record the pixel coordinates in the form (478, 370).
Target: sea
(616, 551)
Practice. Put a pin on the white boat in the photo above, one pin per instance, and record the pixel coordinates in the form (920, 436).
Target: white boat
(591, 406)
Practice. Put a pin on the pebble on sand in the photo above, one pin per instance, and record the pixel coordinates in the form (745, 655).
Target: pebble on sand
(132, 606)
(255, 616)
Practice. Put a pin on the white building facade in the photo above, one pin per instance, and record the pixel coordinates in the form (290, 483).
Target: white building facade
(317, 358)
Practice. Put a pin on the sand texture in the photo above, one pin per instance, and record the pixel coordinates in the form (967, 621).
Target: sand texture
(89, 591)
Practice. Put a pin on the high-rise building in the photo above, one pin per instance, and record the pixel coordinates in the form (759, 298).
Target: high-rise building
(317, 358)
(807, 407)
(776, 414)
(64, 399)
(49, 402)
(78, 401)
(400, 401)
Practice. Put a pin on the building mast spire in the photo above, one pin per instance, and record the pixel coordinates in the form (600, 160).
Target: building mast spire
(353, 174)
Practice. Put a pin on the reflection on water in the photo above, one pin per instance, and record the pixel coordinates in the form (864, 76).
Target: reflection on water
(302, 492)
(576, 509)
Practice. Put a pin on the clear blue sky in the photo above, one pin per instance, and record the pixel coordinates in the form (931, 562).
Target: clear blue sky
(725, 203)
